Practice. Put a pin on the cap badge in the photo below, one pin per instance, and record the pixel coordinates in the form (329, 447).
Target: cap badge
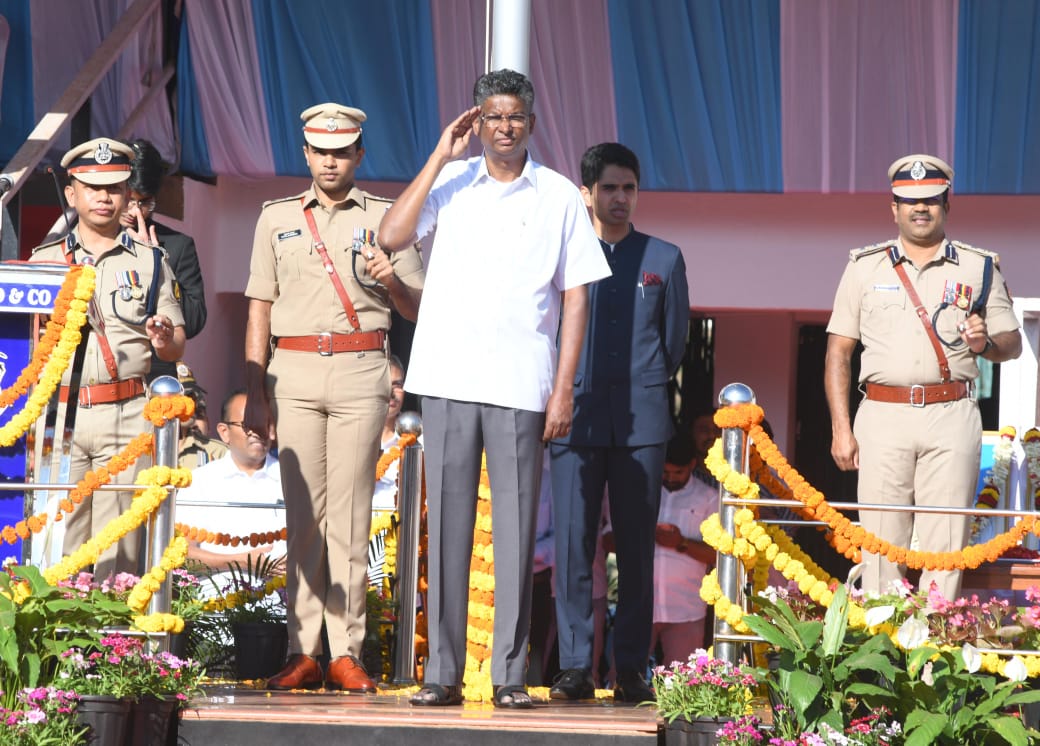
(331, 125)
(917, 171)
(103, 153)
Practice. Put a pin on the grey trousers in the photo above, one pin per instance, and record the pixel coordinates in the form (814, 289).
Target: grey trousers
(454, 434)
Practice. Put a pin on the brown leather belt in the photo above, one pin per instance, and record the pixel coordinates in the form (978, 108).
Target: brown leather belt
(329, 344)
(105, 393)
(920, 394)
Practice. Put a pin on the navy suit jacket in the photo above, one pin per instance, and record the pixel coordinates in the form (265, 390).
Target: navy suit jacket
(636, 338)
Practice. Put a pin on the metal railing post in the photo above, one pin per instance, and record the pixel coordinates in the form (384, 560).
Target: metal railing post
(160, 523)
(409, 508)
(731, 572)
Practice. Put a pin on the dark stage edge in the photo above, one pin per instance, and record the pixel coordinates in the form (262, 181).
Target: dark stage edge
(247, 717)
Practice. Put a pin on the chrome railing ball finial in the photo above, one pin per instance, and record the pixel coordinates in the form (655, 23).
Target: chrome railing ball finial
(736, 393)
(165, 386)
(409, 422)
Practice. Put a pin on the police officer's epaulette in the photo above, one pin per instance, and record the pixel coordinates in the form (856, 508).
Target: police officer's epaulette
(961, 246)
(868, 250)
(295, 197)
(50, 244)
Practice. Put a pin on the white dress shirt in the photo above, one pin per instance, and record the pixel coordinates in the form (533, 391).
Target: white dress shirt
(677, 577)
(502, 256)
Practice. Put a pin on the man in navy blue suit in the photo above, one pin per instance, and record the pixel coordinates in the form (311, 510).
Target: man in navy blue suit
(638, 321)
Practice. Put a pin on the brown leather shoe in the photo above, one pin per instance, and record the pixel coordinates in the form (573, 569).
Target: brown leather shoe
(301, 672)
(347, 673)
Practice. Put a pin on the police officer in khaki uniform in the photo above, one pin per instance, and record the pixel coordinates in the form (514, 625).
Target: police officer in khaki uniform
(196, 447)
(320, 291)
(924, 308)
(134, 312)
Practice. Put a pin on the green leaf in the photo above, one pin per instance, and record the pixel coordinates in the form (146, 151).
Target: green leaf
(803, 688)
(1023, 697)
(923, 728)
(836, 622)
(770, 633)
(809, 633)
(1011, 729)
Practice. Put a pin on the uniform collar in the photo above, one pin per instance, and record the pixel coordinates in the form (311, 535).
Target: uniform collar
(355, 195)
(948, 253)
(123, 240)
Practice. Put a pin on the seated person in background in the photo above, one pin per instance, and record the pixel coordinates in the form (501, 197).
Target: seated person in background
(146, 174)
(248, 473)
(196, 447)
(385, 496)
(681, 558)
(704, 431)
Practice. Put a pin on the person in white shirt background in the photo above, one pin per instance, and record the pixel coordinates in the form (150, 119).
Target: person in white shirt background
(247, 473)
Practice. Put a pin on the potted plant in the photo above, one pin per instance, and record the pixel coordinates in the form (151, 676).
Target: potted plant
(889, 679)
(41, 716)
(121, 668)
(250, 610)
(39, 622)
(698, 696)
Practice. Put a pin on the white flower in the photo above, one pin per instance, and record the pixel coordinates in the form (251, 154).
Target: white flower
(926, 674)
(876, 615)
(855, 573)
(913, 633)
(1015, 669)
(972, 657)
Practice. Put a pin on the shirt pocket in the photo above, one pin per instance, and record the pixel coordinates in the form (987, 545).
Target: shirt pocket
(884, 309)
(291, 255)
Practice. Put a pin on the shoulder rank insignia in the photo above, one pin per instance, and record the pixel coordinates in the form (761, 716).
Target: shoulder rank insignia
(868, 250)
(270, 202)
(961, 246)
(69, 241)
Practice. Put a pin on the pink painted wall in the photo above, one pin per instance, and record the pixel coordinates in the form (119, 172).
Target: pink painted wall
(761, 264)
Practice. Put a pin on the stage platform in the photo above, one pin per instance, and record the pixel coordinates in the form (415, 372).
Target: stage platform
(235, 716)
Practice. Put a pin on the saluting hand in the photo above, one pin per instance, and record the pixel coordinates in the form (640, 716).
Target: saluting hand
(455, 138)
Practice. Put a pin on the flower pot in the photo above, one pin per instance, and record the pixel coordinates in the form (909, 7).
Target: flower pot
(696, 732)
(260, 648)
(179, 641)
(151, 719)
(106, 717)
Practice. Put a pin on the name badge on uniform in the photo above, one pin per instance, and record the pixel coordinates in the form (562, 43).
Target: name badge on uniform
(957, 294)
(886, 288)
(289, 234)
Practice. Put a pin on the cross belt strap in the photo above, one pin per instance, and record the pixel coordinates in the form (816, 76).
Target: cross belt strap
(919, 395)
(922, 315)
(328, 343)
(106, 393)
(341, 291)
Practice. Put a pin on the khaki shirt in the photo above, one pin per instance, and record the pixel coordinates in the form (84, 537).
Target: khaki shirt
(128, 263)
(872, 305)
(196, 451)
(287, 270)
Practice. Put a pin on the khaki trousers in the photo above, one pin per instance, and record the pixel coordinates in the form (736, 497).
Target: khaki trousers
(917, 456)
(329, 414)
(101, 432)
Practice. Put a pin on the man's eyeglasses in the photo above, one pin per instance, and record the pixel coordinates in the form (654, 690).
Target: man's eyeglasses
(142, 204)
(240, 423)
(494, 121)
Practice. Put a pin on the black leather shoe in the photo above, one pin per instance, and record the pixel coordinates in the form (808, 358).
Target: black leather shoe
(630, 687)
(573, 684)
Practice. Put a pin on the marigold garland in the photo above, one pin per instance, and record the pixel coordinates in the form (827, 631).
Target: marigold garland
(161, 409)
(848, 538)
(996, 479)
(476, 680)
(174, 556)
(145, 501)
(57, 362)
(46, 344)
(238, 598)
(1031, 446)
(255, 539)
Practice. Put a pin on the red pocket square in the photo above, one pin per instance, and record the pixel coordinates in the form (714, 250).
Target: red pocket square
(649, 278)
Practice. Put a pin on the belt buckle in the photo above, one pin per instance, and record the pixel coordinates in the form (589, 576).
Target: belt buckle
(325, 344)
(917, 387)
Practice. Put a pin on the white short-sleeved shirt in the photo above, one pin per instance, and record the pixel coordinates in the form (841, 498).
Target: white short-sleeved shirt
(677, 577)
(502, 257)
(223, 481)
